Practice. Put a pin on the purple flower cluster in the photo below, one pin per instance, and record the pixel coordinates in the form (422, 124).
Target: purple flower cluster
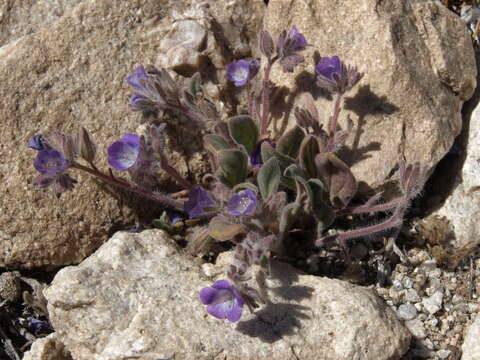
(288, 47)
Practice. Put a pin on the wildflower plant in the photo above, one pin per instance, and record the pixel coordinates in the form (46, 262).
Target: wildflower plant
(262, 186)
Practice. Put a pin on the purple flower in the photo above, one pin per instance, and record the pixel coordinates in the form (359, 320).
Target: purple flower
(256, 155)
(37, 327)
(37, 142)
(242, 203)
(123, 154)
(139, 102)
(298, 41)
(223, 301)
(241, 71)
(288, 45)
(198, 201)
(335, 76)
(50, 162)
(330, 68)
(137, 79)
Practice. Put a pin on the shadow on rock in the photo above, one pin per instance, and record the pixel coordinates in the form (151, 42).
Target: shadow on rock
(278, 318)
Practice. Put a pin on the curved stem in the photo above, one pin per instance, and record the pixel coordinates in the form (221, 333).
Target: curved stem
(129, 187)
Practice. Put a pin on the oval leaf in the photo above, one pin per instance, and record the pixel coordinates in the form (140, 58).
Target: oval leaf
(233, 167)
(289, 143)
(338, 178)
(222, 230)
(216, 142)
(308, 150)
(244, 131)
(269, 178)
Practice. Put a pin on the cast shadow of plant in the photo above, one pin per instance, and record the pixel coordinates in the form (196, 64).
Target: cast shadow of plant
(364, 103)
(278, 319)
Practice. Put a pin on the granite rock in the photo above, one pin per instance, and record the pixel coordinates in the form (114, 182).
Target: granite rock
(70, 74)
(471, 346)
(419, 68)
(137, 297)
(462, 206)
(47, 348)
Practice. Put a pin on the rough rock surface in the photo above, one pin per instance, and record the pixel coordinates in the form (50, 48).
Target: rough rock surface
(19, 18)
(462, 206)
(47, 348)
(70, 74)
(419, 68)
(471, 346)
(137, 296)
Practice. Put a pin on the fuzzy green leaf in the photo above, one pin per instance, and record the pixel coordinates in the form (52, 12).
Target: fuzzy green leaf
(308, 150)
(289, 143)
(287, 217)
(233, 167)
(319, 207)
(269, 178)
(195, 85)
(244, 131)
(216, 142)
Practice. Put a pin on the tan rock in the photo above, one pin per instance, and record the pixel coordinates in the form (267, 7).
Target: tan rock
(419, 68)
(19, 18)
(47, 348)
(70, 74)
(137, 297)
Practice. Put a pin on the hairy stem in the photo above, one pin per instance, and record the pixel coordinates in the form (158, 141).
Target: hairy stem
(370, 208)
(266, 98)
(174, 173)
(187, 112)
(394, 221)
(129, 187)
(333, 121)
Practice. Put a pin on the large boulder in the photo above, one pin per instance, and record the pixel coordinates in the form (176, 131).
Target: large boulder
(71, 73)
(419, 68)
(137, 297)
(462, 206)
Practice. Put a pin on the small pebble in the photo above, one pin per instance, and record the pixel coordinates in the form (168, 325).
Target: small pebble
(443, 354)
(427, 343)
(411, 295)
(420, 280)
(456, 299)
(397, 285)
(434, 285)
(435, 273)
(433, 303)
(419, 306)
(416, 328)
(428, 265)
(407, 282)
(406, 312)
